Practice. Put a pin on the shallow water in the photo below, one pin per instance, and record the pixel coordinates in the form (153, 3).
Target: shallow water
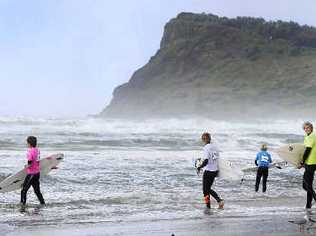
(118, 171)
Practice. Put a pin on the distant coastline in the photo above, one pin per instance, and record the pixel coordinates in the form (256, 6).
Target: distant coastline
(218, 67)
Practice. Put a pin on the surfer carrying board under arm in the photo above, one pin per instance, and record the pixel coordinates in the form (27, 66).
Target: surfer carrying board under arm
(309, 162)
(263, 160)
(33, 172)
(211, 155)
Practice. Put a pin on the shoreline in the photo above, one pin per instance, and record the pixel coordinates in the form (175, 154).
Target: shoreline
(264, 225)
(252, 218)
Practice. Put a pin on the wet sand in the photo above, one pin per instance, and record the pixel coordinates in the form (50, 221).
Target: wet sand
(253, 218)
(265, 225)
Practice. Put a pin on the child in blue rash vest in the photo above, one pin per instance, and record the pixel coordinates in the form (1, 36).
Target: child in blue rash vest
(263, 161)
(211, 155)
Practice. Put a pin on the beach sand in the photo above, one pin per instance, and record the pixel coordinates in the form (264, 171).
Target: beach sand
(265, 225)
(265, 218)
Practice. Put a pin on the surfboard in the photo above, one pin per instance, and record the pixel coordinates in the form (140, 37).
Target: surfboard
(292, 153)
(227, 169)
(14, 182)
(278, 165)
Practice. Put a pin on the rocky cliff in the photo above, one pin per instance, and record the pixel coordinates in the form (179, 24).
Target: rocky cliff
(219, 67)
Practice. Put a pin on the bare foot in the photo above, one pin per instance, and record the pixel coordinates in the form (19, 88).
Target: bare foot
(221, 204)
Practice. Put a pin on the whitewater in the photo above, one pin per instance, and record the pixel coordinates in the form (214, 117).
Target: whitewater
(119, 171)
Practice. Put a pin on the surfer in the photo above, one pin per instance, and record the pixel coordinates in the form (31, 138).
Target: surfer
(211, 155)
(33, 172)
(263, 160)
(309, 162)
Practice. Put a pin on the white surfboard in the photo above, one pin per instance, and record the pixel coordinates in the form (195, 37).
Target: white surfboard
(278, 165)
(227, 169)
(14, 182)
(292, 153)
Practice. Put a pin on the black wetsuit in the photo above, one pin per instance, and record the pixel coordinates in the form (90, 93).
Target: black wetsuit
(32, 180)
(308, 179)
(262, 172)
(208, 180)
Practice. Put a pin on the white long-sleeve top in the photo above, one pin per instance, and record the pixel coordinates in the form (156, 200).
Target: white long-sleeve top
(211, 152)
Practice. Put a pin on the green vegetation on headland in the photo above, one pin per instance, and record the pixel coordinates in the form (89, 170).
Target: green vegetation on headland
(217, 67)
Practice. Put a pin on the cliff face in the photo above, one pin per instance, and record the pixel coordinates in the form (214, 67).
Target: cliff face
(214, 66)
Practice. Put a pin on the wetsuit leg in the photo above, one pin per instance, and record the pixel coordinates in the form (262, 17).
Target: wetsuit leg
(308, 179)
(212, 192)
(26, 185)
(258, 178)
(208, 179)
(206, 188)
(265, 173)
(36, 187)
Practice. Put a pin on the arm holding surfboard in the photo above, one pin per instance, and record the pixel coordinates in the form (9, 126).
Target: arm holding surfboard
(204, 163)
(305, 156)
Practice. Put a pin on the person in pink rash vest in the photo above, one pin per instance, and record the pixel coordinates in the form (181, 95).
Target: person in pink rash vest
(33, 172)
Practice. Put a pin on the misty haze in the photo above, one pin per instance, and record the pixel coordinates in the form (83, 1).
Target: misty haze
(157, 117)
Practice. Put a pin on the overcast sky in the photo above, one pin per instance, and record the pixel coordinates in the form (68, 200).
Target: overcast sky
(63, 58)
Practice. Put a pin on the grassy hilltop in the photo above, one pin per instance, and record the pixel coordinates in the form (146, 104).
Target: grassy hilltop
(218, 67)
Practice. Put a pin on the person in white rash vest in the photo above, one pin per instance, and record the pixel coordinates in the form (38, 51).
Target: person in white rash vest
(210, 165)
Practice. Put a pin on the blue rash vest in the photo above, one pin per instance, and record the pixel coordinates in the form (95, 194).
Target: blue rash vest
(263, 159)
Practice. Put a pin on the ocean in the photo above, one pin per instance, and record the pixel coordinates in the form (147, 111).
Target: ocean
(118, 171)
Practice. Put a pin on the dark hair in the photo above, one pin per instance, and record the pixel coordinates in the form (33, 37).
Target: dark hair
(206, 135)
(32, 141)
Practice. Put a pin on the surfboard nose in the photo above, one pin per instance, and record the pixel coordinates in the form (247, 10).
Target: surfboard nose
(60, 156)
